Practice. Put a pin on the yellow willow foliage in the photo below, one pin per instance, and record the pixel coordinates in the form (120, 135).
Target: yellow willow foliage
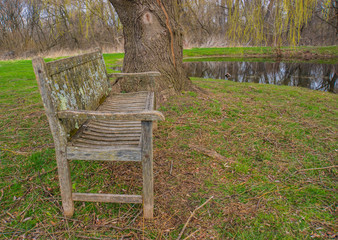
(254, 27)
(235, 20)
(247, 21)
(326, 9)
(297, 14)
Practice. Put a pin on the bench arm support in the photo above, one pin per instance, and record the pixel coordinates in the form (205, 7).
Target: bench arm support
(106, 115)
(140, 74)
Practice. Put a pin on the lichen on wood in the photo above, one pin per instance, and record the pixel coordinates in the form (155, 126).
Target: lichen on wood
(77, 83)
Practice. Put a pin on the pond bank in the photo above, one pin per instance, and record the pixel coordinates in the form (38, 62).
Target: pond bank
(309, 75)
(303, 53)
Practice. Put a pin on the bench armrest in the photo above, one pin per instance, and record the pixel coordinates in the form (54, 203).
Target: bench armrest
(140, 74)
(106, 115)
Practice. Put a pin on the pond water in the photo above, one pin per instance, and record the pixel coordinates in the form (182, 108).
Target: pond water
(314, 76)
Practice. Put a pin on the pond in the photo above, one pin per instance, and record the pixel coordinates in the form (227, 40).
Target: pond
(314, 76)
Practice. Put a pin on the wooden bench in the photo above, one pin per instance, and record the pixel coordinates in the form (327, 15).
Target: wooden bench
(89, 123)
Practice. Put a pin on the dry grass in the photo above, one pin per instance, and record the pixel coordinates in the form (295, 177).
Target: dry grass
(65, 52)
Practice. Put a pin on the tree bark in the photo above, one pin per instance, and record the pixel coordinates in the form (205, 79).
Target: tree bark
(152, 42)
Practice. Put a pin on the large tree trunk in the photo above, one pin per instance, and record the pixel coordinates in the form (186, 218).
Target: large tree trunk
(153, 42)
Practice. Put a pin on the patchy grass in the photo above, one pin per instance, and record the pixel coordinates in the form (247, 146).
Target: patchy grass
(250, 146)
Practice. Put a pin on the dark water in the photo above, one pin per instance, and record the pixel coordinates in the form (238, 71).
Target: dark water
(314, 76)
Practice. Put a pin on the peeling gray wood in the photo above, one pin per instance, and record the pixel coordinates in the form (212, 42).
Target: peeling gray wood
(101, 197)
(59, 136)
(77, 83)
(150, 101)
(119, 154)
(147, 168)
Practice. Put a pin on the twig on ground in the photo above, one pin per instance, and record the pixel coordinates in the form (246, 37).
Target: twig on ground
(85, 237)
(25, 107)
(209, 153)
(192, 214)
(25, 210)
(2, 194)
(310, 169)
(171, 167)
(132, 221)
(191, 234)
(15, 152)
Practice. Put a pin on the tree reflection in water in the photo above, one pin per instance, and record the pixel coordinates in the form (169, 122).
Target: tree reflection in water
(314, 76)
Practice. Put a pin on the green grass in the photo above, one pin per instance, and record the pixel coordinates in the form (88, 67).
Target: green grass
(238, 51)
(268, 139)
(195, 52)
(331, 60)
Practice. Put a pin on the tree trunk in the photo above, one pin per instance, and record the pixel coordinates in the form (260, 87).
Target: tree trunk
(153, 42)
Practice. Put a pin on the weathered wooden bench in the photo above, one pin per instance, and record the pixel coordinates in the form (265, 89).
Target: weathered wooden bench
(89, 123)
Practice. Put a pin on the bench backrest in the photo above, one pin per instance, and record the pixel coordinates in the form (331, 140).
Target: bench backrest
(75, 83)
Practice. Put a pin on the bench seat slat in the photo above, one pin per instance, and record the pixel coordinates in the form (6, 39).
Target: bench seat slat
(120, 109)
(100, 143)
(122, 105)
(120, 125)
(113, 130)
(111, 134)
(110, 138)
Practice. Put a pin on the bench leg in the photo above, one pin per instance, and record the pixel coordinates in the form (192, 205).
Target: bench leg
(147, 166)
(65, 183)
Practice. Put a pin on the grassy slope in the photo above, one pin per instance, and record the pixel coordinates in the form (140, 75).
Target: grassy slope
(328, 54)
(266, 136)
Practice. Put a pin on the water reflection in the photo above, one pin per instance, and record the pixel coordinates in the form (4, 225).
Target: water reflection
(314, 76)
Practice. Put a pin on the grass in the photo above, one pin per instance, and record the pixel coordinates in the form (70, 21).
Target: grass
(315, 54)
(250, 146)
(195, 52)
(331, 60)
(240, 51)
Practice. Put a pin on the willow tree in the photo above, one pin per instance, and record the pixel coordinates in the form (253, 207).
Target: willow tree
(257, 20)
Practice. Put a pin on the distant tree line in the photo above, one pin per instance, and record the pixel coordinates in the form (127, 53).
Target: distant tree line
(31, 26)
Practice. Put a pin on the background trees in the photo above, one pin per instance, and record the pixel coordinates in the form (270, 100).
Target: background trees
(28, 26)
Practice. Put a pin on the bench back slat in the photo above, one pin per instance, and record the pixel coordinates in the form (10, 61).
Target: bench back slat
(61, 65)
(75, 83)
